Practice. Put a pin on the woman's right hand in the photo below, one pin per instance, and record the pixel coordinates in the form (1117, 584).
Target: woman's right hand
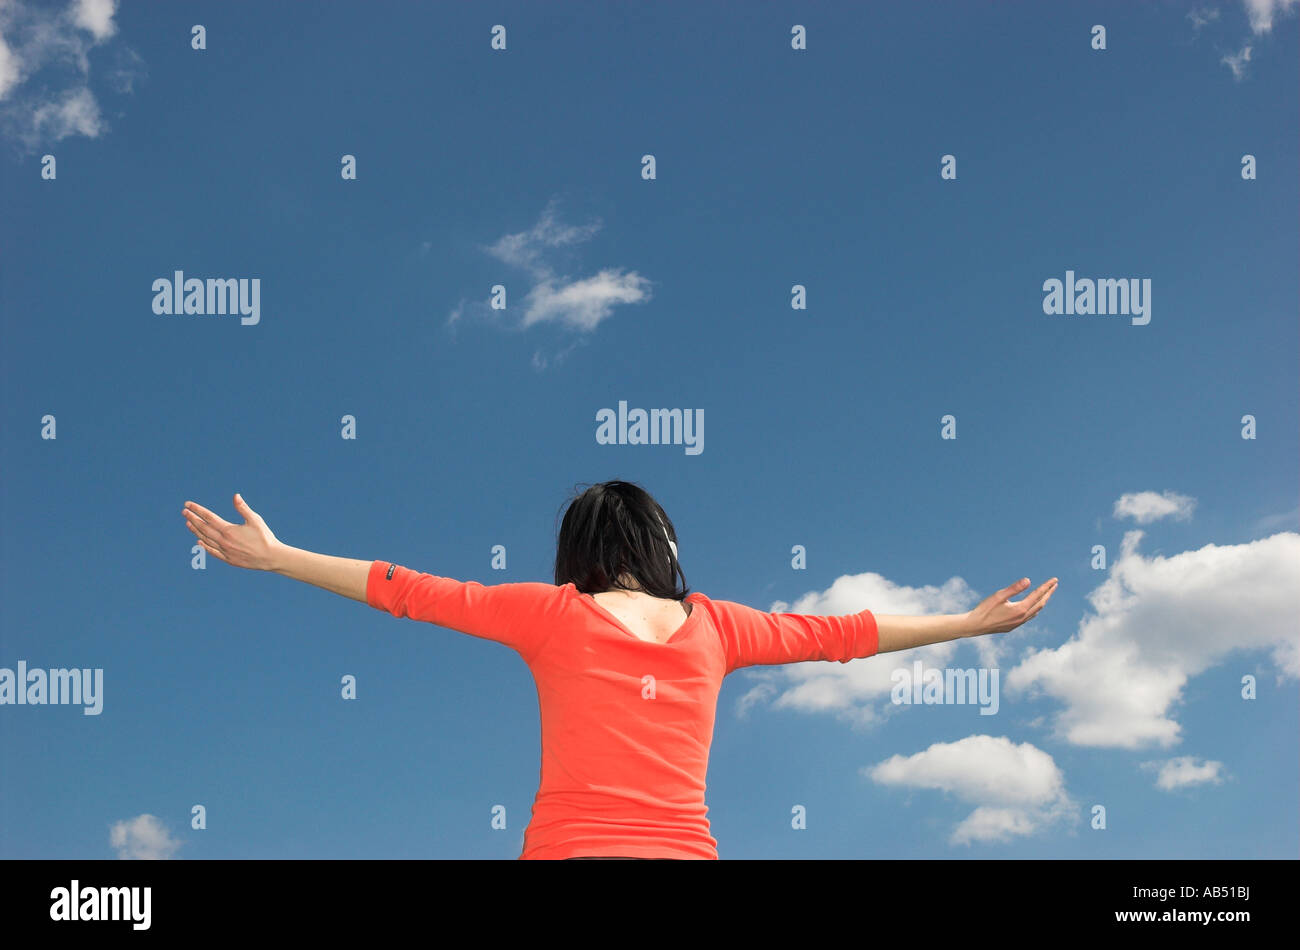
(251, 544)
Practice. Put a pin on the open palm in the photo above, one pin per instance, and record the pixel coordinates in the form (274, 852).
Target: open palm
(997, 614)
(251, 544)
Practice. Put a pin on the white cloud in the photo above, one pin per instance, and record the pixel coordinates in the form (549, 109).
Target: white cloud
(528, 249)
(583, 304)
(1157, 623)
(95, 16)
(76, 113)
(578, 304)
(1184, 771)
(128, 66)
(1283, 519)
(142, 838)
(858, 691)
(541, 360)
(54, 45)
(1263, 12)
(1237, 62)
(758, 693)
(1017, 789)
(1147, 506)
(1262, 16)
(10, 68)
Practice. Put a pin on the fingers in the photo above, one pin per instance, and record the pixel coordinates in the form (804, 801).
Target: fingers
(1006, 593)
(215, 552)
(204, 529)
(1040, 596)
(1046, 597)
(1033, 604)
(209, 535)
(210, 545)
(208, 516)
(1031, 599)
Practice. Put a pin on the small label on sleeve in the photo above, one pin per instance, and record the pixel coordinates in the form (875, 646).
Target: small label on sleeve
(389, 575)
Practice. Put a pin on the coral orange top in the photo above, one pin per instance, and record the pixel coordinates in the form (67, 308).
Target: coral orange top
(626, 722)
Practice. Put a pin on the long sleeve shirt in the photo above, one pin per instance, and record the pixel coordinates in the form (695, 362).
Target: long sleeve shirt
(626, 723)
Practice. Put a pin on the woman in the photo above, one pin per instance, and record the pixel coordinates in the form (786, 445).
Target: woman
(628, 663)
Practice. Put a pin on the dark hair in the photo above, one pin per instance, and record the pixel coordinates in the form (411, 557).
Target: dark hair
(612, 529)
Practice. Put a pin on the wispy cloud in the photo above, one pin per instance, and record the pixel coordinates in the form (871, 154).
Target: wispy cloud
(142, 838)
(1262, 15)
(1237, 61)
(1157, 623)
(529, 250)
(1185, 771)
(1145, 507)
(1285, 519)
(1202, 16)
(1018, 790)
(45, 91)
(577, 304)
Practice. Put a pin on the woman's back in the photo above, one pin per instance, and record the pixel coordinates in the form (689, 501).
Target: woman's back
(627, 689)
(654, 619)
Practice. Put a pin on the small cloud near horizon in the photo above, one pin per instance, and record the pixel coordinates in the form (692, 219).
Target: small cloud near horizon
(142, 838)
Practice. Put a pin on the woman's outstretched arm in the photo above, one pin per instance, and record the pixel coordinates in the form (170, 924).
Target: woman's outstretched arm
(254, 546)
(505, 613)
(995, 614)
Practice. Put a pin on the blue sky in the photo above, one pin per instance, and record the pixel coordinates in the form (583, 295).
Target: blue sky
(773, 167)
